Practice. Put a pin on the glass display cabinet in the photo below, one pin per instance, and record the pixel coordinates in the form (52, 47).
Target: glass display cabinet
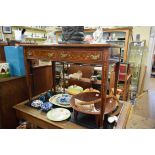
(136, 52)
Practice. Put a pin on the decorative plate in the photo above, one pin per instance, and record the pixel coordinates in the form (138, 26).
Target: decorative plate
(58, 114)
(73, 90)
(62, 100)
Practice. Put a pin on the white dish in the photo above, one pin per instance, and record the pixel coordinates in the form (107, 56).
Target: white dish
(58, 114)
(53, 100)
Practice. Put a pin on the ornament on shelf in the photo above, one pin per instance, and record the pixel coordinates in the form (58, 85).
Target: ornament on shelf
(72, 34)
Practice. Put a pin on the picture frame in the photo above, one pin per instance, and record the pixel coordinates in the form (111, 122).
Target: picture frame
(7, 29)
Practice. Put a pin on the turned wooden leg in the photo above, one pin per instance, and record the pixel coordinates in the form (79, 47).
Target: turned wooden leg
(75, 115)
(53, 77)
(97, 121)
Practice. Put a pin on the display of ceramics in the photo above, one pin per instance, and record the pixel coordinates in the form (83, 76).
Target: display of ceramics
(45, 97)
(46, 106)
(58, 114)
(74, 89)
(36, 103)
(62, 100)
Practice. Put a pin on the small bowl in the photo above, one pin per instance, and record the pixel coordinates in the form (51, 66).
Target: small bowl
(42, 98)
(46, 106)
(36, 103)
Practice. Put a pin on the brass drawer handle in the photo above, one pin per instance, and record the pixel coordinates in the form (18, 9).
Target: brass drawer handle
(63, 55)
(50, 55)
(95, 57)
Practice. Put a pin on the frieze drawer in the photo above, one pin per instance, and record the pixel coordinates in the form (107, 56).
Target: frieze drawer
(42, 54)
(81, 56)
(66, 55)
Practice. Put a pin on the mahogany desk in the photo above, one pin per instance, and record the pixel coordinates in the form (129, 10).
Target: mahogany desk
(75, 53)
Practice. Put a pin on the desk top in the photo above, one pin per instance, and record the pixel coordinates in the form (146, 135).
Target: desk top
(73, 45)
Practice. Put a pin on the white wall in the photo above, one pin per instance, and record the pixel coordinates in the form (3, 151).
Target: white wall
(149, 57)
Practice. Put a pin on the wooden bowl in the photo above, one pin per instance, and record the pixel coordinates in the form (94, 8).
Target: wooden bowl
(90, 107)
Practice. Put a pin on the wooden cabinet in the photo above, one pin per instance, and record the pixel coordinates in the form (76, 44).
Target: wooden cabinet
(14, 90)
(120, 36)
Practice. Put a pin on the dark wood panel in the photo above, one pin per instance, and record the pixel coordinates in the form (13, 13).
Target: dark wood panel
(2, 54)
(42, 78)
(14, 90)
(11, 92)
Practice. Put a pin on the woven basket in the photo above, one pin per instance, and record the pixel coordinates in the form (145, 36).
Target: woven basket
(90, 102)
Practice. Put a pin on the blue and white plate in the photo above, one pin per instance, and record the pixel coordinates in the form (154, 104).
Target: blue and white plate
(62, 100)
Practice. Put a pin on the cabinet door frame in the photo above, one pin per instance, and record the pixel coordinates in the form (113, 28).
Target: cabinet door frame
(128, 38)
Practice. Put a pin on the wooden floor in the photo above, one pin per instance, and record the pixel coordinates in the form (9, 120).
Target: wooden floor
(143, 113)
